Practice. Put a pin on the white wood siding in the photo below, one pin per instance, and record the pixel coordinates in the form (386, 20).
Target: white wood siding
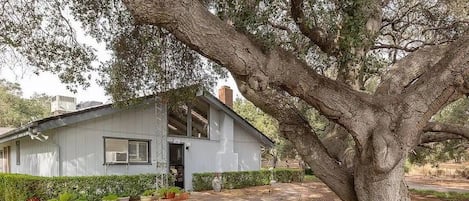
(248, 149)
(82, 144)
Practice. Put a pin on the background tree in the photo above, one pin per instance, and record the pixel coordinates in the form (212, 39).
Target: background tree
(267, 125)
(15, 110)
(284, 55)
(456, 150)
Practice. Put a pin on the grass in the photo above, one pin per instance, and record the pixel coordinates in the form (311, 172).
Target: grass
(310, 178)
(448, 196)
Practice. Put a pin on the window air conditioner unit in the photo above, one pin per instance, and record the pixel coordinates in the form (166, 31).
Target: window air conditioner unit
(118, 157)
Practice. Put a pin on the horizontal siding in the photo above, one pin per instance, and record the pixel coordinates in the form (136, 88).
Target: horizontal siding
(82, 145)
(248, 149)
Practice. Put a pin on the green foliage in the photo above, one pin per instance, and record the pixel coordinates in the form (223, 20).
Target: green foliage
(68, 197)
(16, 110)
(15, 187)
(311, 178)
(447, 196)
(164, 191)
(111, 197)
(149, 192)
(174, 189)
(242, 179)
(407, 166)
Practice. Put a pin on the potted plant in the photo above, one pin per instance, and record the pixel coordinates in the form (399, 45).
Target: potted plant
(148, 195)
(67, 197)
(183, 195)
(162, 192)
(172, 191)
(169, 192)
(124, 197)
(110, 197)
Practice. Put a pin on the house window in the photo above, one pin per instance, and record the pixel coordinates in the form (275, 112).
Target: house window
(179, 119)
(138, 151)
(126, 151)
(18, 159)
(199, 119)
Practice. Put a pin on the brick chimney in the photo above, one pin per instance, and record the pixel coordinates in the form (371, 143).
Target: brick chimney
(225, 94)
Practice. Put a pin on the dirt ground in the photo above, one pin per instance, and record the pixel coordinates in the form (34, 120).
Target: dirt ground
(316, 191)
(438, 184)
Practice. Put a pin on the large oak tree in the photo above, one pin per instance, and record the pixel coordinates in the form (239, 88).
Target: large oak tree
(282, 54)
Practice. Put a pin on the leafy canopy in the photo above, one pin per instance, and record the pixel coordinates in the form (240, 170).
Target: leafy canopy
(15, 110)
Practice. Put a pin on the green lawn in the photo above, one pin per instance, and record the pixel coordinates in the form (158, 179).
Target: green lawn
(310, 178)
(449, 196)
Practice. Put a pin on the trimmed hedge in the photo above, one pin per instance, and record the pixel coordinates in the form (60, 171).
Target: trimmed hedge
(17, 187)
(242, 179)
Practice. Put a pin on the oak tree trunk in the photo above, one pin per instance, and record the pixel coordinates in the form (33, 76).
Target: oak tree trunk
(374, 186)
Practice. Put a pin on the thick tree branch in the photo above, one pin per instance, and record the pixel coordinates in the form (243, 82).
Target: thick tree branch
(444, 82)
(449, 130)
(391, 46)
(437, 137)
(317, 35)
(407, 70)
(190, 22)
(294, 127)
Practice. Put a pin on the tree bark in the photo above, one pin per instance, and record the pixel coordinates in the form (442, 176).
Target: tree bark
(384, 126)
(371, 185)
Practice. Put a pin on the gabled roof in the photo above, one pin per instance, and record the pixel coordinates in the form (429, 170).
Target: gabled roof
(5, 130)
(57, 121)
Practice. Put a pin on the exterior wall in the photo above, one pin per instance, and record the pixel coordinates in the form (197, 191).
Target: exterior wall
(36, 158)
(82, 145)
(248, 149)
(199, 157)
(226, 139)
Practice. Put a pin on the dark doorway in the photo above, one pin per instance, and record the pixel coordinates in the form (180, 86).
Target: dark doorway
(176, 163)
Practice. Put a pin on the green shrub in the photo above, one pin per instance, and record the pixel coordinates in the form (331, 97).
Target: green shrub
(14, 187)
(309, 171)
(111, 197)
(242, 179)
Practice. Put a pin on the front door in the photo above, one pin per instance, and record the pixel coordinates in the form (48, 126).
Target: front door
(176, 163)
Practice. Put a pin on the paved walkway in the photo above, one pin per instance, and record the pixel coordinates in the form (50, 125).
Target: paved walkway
(277, 192)
(317, 191)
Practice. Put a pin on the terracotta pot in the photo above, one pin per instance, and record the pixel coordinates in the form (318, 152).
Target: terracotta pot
(170, 195)
(184, 196)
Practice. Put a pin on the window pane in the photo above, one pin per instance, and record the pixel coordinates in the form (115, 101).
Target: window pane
(138, 151)
(199, 115)
(177, 120)
(116, 150)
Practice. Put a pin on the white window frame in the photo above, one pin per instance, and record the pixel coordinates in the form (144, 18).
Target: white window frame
(128, 161)
(189, 128)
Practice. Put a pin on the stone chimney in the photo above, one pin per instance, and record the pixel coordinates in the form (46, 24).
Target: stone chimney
(225, 94)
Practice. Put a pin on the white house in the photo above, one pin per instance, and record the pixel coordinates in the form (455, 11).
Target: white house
(204, 136)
